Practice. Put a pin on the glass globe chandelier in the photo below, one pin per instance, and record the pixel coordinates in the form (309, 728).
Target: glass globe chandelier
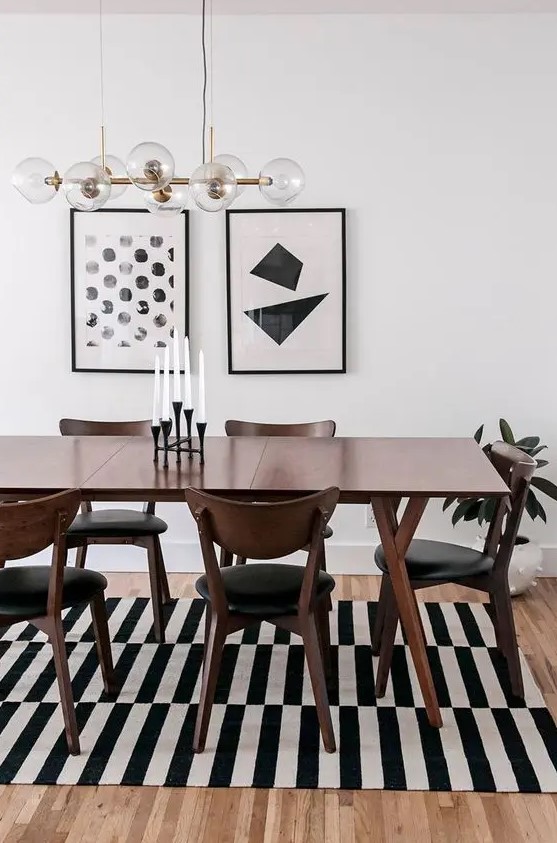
(213, 186)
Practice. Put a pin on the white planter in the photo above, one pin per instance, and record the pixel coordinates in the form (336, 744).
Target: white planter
(525, 565)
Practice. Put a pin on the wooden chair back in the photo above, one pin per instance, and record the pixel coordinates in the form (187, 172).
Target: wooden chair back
(516, 469)
(324, 429)
(85, 427)
(262, 531)
(28, 527)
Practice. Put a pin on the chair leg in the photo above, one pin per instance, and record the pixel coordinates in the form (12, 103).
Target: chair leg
(226, 558)
(310, 638)
(156, 589)
(323, 566)
(390, 623)
(379, 619)
(494, 620)
(81, 556)
(165, 590)
(507, 637)
(102, 640)
(322, 617)
(215, 636)
(55, 633)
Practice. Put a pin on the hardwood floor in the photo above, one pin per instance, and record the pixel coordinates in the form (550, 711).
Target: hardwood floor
(30, 814)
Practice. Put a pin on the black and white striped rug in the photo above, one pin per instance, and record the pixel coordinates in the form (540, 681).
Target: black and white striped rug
(263, 730)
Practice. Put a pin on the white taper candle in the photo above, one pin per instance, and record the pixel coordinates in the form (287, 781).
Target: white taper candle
(166, 385)
(201, 412)
(176, 364)
(157, 392)
(187, 375)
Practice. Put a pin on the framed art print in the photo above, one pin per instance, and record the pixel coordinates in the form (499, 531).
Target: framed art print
(129, 287)
(286, 291)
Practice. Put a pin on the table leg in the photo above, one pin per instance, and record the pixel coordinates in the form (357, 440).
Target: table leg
(395, 538)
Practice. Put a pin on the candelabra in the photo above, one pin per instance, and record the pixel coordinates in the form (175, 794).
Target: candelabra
(178, 444)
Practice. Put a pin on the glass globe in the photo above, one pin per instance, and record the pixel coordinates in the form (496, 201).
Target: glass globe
(237, 166)
(29, 178)
(86, 186)
(114, 167)
(213, 186)
(287, 181)
(150, 166)
(168, 202)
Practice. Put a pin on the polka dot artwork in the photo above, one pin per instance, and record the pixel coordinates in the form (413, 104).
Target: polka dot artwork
(129, 288)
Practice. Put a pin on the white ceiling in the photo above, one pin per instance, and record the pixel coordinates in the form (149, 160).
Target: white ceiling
(280, 6)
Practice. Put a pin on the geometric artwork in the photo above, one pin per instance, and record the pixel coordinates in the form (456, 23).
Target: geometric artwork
(279, 266)
(129, 287)
(286, 278)
(279, 320)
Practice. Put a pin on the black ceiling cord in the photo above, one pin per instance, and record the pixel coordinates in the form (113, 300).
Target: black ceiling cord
(204, 52)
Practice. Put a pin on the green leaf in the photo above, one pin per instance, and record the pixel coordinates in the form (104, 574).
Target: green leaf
(482, 511)
(479, 433)
(541, 513)
(447, 503)
(472, 513)
(537, 450)
(545, 486)
(532, 505)
(542, 463)
(490, 509)
(462, 509)
(506, 431)
(528, 442)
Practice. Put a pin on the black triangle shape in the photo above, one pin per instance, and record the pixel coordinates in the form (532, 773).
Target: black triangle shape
(280, 320)
(280, 267)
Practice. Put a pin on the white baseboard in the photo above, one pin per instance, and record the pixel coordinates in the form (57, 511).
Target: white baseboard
(185, 557)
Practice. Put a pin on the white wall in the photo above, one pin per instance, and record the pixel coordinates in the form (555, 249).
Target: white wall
(437, 133)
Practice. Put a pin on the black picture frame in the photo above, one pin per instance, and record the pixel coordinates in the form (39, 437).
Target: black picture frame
(341, 369)
(73, 212)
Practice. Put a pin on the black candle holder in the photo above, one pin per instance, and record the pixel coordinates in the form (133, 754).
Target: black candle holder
(201, 428)
(188, 413)
(178, 444)
(177, 407)
(156, 431)
(166, 427)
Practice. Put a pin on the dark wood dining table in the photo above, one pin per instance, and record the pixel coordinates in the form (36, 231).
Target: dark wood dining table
(377, 471)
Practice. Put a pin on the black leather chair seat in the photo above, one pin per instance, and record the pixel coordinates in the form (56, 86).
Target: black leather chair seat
(265, 588)
(432, 560)
(24, 590)
(116, 523)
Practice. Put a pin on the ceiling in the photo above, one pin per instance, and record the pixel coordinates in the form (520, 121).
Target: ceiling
(280, 6)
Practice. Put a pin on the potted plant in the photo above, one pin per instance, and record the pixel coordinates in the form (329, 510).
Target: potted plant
(527, 555)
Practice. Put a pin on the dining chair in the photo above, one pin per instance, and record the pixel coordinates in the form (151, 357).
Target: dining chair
(431, 563)
(38, 593)
(289, 596)
(316, 430)
(121, 526)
